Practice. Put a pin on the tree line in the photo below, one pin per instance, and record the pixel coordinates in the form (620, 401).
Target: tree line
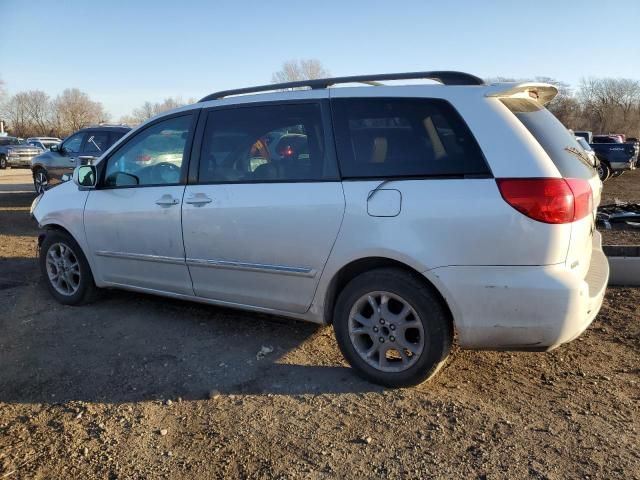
(602, 105)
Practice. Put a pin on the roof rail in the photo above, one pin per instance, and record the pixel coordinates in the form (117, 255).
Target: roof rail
(444, 77)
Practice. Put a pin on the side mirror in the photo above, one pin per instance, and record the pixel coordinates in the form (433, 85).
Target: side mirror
(85, 176)
(55, 147)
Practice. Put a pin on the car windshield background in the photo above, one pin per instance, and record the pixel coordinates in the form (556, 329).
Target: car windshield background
(152, 157)
(265, 143)
(379, 138)
(552, 136)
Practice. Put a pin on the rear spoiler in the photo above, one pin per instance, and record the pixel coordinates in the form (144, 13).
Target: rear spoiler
(542, 92)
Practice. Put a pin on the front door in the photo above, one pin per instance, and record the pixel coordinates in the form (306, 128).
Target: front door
(261, 220)
(66, 159)
(133, 219)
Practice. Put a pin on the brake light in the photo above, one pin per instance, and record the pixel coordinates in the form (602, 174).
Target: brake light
(286, 151)
(548, 200)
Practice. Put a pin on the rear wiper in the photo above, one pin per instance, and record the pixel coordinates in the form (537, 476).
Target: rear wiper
(581, 156)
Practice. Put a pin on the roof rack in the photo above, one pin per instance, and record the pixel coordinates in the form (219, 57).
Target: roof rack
(444, 77)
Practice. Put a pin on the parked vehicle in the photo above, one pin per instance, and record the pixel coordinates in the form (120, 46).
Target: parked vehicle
(43, 143)
(15, 153)
(615, 157)
(587, 135)
(79, 148)
(404, 214)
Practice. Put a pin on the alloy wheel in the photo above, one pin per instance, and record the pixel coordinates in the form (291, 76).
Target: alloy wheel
(63, 269)
(386, 331)
(41, 181)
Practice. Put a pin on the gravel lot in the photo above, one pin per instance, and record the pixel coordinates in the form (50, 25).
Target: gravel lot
(135, 386)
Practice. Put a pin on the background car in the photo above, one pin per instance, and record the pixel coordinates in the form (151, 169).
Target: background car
(15, 153)
(77, 149)
(43, 143)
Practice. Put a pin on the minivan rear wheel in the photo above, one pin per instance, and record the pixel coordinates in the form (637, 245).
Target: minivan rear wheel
(392, 328)
(65, 269)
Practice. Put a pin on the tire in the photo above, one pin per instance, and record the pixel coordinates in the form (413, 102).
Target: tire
(604, 172)
(409, 358)
(75, 285)
(3, 162)
(40, 180)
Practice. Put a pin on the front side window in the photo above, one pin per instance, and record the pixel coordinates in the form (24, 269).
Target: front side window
(152, 157)
(73, 143)
(267, 143)
(96, 143)
(402, 137)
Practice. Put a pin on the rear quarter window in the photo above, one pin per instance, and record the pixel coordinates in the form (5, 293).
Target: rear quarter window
(553, 137)
(403, 137)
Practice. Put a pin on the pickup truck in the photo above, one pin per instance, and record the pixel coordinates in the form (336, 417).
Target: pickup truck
(615, 157)
(14, 152)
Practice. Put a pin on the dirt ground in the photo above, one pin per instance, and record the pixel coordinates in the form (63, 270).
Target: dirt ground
(137, 387)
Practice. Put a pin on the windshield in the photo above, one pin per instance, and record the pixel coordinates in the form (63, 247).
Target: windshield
(561, 146)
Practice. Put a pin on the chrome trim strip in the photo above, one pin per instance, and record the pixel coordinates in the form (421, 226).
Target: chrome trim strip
(197, 262)
(141, 256)
(254, 267)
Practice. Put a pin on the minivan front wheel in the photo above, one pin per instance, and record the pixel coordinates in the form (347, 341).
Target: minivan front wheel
(392, 328)
(3, 162)
(66, 270)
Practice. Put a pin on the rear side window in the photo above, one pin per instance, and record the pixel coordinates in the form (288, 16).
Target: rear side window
(561, 146)
(277, 143)
(384, 137)
(97, 142)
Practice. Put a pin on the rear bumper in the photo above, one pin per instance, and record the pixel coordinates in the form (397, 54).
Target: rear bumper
(522, 308)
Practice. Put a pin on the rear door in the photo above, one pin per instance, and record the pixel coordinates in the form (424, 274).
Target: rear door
(266, 205)
(95, 144)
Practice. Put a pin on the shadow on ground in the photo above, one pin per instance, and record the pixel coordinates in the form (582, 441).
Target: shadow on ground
(128, 347)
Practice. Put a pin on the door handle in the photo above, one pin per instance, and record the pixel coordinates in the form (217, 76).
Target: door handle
(198, 200)
(72, 159)
(167, 201)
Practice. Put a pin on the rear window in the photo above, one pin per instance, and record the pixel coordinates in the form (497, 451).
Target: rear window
(561, 146)
(402, 137)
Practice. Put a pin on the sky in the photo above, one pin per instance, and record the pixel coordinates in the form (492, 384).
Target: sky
(123, 53)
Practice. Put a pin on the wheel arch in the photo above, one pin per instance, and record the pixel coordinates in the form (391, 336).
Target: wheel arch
(359, 266)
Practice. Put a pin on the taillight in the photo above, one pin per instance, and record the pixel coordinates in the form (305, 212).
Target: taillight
(548, 200)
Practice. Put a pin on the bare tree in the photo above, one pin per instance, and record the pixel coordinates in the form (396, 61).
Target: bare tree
(16, 114)
(39, 109)
(73, 109)
(149, 109)
(296, 70)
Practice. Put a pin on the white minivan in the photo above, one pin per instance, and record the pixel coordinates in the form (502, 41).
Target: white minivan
(405, 216)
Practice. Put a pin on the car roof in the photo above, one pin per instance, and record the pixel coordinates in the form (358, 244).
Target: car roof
(111, 128)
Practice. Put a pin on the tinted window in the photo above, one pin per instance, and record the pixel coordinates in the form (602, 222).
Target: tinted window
(73, 143)
(381, 137)
(552, 135)
(152, 157)
(268, 143)
(114, 137)
(97, 142)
